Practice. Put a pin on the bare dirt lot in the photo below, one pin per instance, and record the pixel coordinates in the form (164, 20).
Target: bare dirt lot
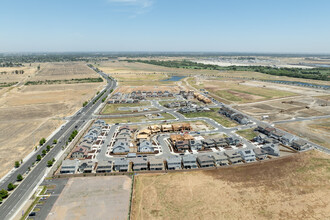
(28, 113)
(316, 131)
(295, 187)
(287, 108)
(93, 198)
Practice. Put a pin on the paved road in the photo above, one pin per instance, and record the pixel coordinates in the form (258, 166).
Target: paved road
(76, 122)
(47, 206)
(102, 154)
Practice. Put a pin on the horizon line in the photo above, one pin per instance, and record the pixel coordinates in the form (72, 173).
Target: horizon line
(164, 52)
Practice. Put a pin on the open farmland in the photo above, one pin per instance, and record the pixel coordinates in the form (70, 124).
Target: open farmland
(93, 198)
(294, 187)
(29, 113)
(62, 71)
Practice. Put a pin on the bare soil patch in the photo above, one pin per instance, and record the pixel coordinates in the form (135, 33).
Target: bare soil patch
(315, 130)
(93, 198)
(287, 108)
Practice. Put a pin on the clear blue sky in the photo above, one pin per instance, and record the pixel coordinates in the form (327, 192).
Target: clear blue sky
(280, 26)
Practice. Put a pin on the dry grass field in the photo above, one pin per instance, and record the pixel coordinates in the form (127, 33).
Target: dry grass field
(165, 116)
(61, 71)
(28, 113)
(151, 87)
(93, 198)
(316, 131)
(29, 71)
(234, 91)
(115, 108)
(294, 187)
(125, 67)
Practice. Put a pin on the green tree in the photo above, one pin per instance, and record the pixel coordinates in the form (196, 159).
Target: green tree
(44, 152)
(36, 148)
(19, 177)
(38, 157)
(11, 186)
(0, 199)
(17, 164)
(3, 193)
(49, 163)
(48, 148)
(85, 103)
(54, 141)
(42, 141)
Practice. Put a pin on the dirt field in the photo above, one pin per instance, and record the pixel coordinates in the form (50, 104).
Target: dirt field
(93, 198)
(316, 131)
(28, 113)
(295, 187)
(287, 108)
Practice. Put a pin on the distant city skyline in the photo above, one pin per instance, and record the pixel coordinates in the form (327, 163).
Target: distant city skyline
(255, 26)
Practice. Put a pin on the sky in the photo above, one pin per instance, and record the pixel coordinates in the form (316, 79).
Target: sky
(261, 26)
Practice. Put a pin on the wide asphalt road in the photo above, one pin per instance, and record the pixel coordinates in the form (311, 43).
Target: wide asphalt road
(77, 121)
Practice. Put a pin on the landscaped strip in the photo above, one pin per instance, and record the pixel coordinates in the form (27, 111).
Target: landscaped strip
(65, 81)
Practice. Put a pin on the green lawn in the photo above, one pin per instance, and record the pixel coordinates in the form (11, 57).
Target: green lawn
(249, 134)
(163, 103)
(213, 115)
